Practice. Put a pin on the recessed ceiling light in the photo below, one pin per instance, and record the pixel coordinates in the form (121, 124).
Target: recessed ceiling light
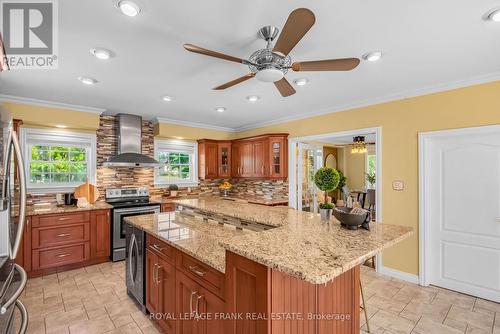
(494, 15)
(220, 109)
(102, 54)
(167, 98)
(253, 98)
(87, 80)
(372, 56)
(129, 8)
(61, 126)
(301, 81)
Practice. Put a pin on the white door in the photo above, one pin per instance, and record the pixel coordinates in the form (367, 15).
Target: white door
(462, 211)
(309, 160)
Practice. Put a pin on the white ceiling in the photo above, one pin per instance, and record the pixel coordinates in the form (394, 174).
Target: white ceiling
(428, 45)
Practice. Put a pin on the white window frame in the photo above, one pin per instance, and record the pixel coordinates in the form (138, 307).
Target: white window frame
(29, 136)
(178, 145)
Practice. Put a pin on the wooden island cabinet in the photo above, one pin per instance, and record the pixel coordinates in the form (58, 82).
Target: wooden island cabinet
(258, 157)
(249, 298)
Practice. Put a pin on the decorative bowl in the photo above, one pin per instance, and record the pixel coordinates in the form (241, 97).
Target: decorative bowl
(350, 220)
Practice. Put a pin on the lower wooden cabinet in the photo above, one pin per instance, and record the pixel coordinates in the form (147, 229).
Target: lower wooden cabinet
(160, 290)
(198, 308)
(170, 291)
(57, 242)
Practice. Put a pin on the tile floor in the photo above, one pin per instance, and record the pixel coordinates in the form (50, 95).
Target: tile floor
(94, 300)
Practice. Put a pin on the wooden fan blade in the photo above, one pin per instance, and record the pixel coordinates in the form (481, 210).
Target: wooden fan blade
(284, 87)
(206, 52)
(235, 81)
(296, 26)
(345, 64)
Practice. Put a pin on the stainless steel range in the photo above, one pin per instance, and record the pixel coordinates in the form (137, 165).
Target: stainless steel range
(126, 202)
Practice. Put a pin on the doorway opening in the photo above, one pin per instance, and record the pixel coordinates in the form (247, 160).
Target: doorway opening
(358, 160)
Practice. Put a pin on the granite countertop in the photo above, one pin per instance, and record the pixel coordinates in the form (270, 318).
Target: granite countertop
(196, 237)
(299, 244)
(49, 208)
(241, 198)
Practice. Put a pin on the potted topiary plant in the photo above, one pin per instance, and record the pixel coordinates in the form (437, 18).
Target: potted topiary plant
(326, 179)
(173, 188)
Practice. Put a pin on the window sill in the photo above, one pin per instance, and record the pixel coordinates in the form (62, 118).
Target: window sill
(180, 185)
(51, 190)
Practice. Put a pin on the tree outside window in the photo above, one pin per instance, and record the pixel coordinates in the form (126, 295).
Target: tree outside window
(51, 164)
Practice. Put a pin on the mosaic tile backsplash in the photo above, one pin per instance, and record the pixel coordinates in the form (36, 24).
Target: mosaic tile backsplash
(144, 177)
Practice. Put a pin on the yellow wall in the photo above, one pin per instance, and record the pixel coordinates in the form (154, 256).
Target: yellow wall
(165, 130)
(35, 116)
(354, 170)
(401, 121)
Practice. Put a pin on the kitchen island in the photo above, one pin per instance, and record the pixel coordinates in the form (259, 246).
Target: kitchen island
(244, 268)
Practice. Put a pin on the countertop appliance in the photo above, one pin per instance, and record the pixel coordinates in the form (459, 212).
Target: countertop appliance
(13, 278)
(126, 202)
(134, 265)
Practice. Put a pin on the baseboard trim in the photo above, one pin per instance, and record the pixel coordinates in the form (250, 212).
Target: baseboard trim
(399, 275)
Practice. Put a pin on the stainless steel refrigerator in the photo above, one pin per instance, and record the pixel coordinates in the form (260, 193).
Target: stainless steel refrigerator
(12, 221)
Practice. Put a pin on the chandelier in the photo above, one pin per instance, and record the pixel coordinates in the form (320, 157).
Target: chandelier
(359, 145)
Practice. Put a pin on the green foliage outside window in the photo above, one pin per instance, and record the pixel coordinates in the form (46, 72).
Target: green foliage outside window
(58, 164)
(177, 168)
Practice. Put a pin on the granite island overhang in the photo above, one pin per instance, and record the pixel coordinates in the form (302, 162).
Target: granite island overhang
(273, 261)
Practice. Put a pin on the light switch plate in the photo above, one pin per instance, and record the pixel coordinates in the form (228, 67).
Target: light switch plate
(398, 185)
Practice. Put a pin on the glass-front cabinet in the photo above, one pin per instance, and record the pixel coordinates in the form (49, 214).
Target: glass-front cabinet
(224, 157)
(278, 154)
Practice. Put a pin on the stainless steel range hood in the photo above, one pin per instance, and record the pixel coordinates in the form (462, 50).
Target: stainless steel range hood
(129, 144)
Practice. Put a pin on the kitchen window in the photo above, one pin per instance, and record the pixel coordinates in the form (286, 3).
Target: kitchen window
(181, 163)
(58, 161)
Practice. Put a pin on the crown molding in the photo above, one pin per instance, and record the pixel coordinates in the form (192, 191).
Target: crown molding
(49, 104)
(193, 124)
(477, 80)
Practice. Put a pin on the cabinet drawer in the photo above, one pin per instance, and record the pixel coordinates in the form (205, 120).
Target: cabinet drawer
(167, 207)
(62, 219)
(160, 247)
(53, 257)
(60, 235)
(204, 274)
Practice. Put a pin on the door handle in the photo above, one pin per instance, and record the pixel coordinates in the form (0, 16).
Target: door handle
(63, 235)
(154, 273)
(197, 306)
(15, 296)
(22, 191)
(24, 316)
(158, 248)
(130, 252)
(193, 293)
(158, 267)
(63, 255)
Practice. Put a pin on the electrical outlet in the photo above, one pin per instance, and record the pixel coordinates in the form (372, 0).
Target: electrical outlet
(398, 185)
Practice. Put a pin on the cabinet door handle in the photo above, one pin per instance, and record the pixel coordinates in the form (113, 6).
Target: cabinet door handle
(63, 235)
(197, 271)
(63, 255)
(193, 293)
(262, 169)
(198, 306)
(63, 218)
(158, 267)
(154, 273)
(158, 248)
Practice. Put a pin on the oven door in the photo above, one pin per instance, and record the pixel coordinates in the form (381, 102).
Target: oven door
(119, 225)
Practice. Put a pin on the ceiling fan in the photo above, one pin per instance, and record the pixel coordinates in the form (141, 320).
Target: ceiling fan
(272, 63)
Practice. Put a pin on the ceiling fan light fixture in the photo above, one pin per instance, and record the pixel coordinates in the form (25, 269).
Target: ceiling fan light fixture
(373, 56)
(269, 74)
(129, 8)
(301, 81)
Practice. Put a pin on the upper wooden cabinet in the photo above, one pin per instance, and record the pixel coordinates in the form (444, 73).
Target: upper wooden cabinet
(254, 157)
(208, 159)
